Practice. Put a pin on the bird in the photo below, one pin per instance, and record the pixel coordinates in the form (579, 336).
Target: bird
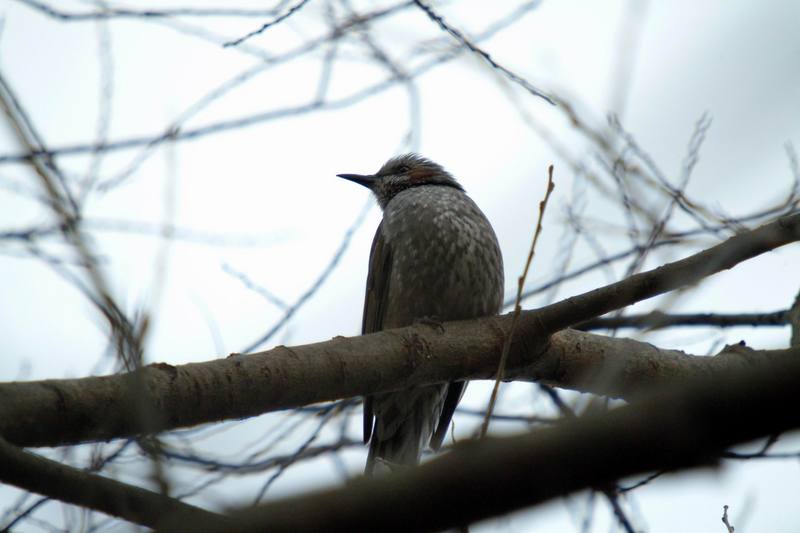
(435, 257)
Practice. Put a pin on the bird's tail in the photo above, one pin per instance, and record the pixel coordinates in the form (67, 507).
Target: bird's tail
(404, 423)
(402, 449)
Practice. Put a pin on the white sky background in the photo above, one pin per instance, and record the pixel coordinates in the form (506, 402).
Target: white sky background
(274, 182)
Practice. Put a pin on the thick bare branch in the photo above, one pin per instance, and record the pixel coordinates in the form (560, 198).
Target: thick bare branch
(140, 506)
(682, 427)
(97, 408)
(52, 412)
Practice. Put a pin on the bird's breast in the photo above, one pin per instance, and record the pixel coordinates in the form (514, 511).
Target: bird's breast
(446, 262)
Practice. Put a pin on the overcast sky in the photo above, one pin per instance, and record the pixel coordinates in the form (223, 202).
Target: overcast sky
(269, 190)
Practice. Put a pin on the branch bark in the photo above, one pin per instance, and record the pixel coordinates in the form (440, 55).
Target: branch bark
(57, 412)
(682, 427)
(50, 478)
(794, 320)
(53, 412)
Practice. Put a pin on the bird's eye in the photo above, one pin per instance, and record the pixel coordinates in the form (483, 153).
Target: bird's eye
(403, 168)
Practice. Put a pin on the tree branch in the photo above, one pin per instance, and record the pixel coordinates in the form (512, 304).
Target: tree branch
(794, 320)
(657, 319)
(519, 80)
(52, 412)
(671, 276)
(682, 427)
(50, 478)
(55, 412)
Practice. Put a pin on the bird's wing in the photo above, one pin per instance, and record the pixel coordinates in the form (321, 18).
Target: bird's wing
(375, 300)
(455, 391)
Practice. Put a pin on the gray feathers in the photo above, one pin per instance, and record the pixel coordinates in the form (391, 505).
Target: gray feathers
(434, 256)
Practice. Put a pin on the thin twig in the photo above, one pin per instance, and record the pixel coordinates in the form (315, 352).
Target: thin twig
(336, 409)
(522, 82)
(266, 25)
(602, 262)
(255, 287)
(657, 319)
(517, 307)
(178, 133)
(323, 276)
(642, 482)
(728, 525)
(110, 13)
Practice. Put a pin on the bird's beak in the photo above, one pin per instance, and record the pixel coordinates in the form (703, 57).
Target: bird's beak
(365, 180)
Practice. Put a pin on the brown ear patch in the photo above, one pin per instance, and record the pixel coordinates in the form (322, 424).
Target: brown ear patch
(420, 175)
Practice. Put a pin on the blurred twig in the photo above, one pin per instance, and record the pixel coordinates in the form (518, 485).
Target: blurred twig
(501, 366)
(114, 12)
(522, 82)
(297, 7)
(323, 276)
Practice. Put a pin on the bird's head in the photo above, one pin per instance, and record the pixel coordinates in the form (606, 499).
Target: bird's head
(401, 173)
